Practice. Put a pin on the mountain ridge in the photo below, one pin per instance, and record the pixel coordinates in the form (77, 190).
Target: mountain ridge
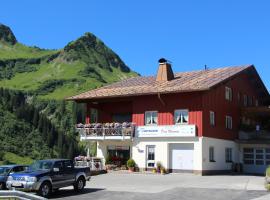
(83, 64)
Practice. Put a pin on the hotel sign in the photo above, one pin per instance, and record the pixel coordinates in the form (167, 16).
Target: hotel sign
(166, 131)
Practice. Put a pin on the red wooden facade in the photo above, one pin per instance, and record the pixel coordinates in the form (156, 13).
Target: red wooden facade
(199, 105)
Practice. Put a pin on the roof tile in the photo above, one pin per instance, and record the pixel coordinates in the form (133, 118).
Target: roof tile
(183, 82)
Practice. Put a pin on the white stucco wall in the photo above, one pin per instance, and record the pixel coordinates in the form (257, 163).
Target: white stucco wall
(219, 151)
(162, 153)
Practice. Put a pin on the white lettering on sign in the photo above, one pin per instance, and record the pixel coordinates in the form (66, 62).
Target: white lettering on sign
(166, 131)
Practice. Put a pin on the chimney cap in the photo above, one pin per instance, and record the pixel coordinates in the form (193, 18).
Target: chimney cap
(162, 60)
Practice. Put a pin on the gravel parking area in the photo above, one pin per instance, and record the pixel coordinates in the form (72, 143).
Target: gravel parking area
(173, 186)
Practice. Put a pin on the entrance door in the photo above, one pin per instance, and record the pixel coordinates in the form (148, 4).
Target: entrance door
(181, 157)
(119, 154)
(150, 156)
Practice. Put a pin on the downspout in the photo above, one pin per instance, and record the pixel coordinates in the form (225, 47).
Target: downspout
(161, 100)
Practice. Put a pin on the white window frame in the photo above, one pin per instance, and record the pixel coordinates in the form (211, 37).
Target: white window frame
(151, 124)
(211, 154)
(228, 155)
(181, 120)
(228, 93)
(152, 162)
(228, 122)
(212, 118)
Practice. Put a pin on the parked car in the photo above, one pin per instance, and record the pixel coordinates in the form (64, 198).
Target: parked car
(6, 170)
(46, 176)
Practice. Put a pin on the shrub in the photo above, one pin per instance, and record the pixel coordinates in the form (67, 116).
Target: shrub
(108, 160)
(131, 163)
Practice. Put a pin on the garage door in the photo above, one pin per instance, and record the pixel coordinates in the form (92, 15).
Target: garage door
(256, 160)
(181, 157)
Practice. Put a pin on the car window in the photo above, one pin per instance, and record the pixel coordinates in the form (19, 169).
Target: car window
(41, 165)
(59, 165)
(68, 164)
(4, 170)
(17, 169)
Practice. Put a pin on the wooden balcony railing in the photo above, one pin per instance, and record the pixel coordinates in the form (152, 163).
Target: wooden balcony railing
(105, 130)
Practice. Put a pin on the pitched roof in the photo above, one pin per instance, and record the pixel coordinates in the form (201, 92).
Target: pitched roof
(145, 85)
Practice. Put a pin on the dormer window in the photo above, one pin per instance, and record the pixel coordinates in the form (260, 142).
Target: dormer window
(228, 93)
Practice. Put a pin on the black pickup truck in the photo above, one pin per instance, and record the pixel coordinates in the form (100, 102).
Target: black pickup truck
(46, 176)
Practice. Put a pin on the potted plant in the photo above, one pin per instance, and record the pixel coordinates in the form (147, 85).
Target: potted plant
(154, 170)
(163, 170)
(131, 165)
(159, 166)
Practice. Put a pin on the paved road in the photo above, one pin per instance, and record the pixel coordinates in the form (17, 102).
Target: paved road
(115, 186)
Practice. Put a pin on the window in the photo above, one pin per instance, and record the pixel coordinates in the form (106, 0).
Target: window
(228, 93)
(256, 103)
(151, 118)
(239, 97)
(250, 102)
(259, 156)
(68, 164)
(228, 122)
(228, 154)
(94, 115)
(267, 156)
(211, 154)
(150, 156)
(212, 118)
(248, 156)
(181, 116)
(245, 100)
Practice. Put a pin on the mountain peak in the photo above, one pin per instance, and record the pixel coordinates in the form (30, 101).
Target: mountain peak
(93, 51)
(87, 41)
(6, 35)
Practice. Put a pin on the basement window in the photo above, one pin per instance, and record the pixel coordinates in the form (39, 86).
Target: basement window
(151, 118)
(181, 116)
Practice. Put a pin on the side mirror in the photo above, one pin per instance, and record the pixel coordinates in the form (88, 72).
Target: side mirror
(56, 169)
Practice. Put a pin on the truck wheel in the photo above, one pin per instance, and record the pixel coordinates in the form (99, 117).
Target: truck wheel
(79, 185)
(45, 189)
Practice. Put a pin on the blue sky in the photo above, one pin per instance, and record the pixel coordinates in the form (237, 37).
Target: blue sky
(187, 32)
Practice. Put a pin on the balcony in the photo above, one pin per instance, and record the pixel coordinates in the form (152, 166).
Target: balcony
(184, 130)
(107, 131)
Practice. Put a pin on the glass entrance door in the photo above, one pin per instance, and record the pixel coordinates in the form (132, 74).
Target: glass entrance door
(150, 156)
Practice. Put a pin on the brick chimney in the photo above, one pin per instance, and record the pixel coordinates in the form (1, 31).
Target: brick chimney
(165, 72)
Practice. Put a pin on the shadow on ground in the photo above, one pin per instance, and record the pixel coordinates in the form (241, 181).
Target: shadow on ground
(62, 193)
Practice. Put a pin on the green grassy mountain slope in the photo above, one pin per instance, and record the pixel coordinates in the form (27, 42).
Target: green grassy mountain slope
(81, 65)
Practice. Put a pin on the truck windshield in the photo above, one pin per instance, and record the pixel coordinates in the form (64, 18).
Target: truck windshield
(4, 170)
(41, 165)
